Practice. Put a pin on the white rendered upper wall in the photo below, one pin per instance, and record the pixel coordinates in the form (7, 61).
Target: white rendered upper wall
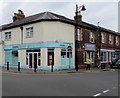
(49, 31)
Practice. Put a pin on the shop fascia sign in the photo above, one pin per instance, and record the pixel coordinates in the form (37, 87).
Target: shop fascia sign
(90, 47)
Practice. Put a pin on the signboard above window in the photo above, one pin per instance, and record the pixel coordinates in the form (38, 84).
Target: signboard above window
(90, 47)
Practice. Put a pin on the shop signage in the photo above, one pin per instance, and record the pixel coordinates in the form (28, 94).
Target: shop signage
(38, 45)
(69, 48)
(90, 47)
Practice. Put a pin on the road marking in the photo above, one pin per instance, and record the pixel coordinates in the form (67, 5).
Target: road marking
(106, 91)
(97, 95)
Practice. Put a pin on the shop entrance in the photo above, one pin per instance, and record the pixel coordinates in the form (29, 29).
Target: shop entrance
(50, 57)
(33, 59)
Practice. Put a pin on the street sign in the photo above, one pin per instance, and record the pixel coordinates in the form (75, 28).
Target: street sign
(69, 48)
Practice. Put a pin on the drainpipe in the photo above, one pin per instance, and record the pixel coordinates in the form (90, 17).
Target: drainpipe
(21, 34)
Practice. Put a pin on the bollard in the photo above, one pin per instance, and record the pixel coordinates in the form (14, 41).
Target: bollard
(35, 67)
(7, 65)
(76, 67)
(52, 68)
(19, 66)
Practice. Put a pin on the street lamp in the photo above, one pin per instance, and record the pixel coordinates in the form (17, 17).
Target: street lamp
(99, 37)
(77, 19)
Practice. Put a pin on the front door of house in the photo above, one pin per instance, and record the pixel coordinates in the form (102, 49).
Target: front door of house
(32, 59)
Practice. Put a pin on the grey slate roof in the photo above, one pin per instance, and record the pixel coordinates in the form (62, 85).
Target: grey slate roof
(48, 16)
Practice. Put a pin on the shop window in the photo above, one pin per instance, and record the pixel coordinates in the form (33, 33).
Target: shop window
(7, 36)
(14, 53)
(69, 54)
(89, 55)
(103, 56)
(63, 54)
(29, 32)
(112, 55)
(66, 54)
(66, 57)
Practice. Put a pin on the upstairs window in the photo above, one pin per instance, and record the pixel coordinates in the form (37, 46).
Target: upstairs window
(7, 36)
(110, 39)
(79, 34)
(117, 41)
(29, 32)
(103, 35)
(91, 37)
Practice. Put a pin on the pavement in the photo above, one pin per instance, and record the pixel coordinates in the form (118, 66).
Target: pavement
(69, 71)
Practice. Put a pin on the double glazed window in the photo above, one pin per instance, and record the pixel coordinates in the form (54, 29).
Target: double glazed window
(7, 36)
(117, 40)
(110, 39)
(29, 32)
(79, 34)
(103, 37)
(91, 37)
(89, 55)
(103, 56)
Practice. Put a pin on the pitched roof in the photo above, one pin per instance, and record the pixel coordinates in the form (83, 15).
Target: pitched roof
(48, 16)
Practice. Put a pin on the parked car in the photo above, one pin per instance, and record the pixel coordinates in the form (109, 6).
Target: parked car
(115, 63)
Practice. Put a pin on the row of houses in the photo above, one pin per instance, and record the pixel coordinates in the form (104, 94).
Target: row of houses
(47, 39)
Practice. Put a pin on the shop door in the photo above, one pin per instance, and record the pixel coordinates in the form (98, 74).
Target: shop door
(51, 58)
(32, 59)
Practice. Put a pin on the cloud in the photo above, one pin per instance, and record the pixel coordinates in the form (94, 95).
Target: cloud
(106, 12)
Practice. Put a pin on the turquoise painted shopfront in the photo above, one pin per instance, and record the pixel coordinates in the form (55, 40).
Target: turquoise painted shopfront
(11, 54)
(11, 57)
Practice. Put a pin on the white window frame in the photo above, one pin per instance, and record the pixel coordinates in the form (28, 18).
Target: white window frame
(29, 32)
(79, 34)
(103, 57)
(103, 35)
(7, 36)
(117, 40)
(92, 37)
(89, 54)
(110, 39)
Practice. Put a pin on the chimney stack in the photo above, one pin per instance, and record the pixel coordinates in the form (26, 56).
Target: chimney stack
(18, 16)
(78, 17)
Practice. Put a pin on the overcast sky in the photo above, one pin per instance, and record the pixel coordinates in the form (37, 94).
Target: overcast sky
(104, 11)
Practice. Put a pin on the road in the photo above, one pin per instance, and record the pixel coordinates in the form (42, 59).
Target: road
(81, 84)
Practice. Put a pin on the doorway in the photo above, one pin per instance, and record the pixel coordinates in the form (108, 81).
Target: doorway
(33, 59)
(50, 57)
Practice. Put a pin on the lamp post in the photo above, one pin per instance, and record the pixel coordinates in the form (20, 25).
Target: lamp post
(78, 20)
(98, 45)
(99, 37)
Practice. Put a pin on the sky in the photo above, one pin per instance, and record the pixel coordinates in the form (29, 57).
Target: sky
(103, 11)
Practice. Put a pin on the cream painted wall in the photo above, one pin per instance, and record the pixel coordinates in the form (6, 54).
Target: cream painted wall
(42, 32)
(57, 57)
(37, 33)
(1, 51)
(44, 57)
(1, 55)
(15, 36)
(22, 57)
(62, 32)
